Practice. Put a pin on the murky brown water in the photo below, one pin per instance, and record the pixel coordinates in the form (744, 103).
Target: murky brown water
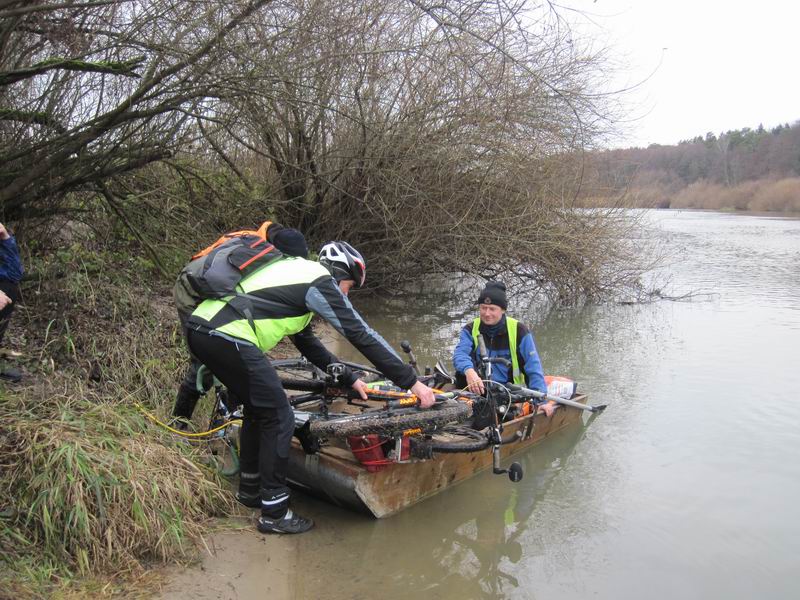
(685, 487)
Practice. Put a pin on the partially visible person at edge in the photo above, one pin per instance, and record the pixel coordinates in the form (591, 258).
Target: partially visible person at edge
(505, 337)
(11, 272)
(290, 242)
(233, 347)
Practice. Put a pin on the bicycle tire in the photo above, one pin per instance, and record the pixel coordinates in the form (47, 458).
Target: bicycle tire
(466, 440)
(298, 368)
(302, 385)
(390, 423)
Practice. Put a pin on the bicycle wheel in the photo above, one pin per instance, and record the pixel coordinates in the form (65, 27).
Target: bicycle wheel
(450, 440)
(299, 375)
(392, 422)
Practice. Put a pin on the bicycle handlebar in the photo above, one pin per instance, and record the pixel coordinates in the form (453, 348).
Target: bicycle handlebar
(412, 400)
(498, 360)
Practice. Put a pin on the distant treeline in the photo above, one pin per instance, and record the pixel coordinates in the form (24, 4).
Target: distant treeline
(747, 169)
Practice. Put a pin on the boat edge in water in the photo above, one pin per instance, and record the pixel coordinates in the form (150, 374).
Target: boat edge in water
(335, 475)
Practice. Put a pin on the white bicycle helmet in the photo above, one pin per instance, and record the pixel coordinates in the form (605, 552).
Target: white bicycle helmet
(344, 262)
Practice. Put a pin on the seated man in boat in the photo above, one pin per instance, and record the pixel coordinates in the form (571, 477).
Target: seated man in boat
(230, 336)
(505, 337)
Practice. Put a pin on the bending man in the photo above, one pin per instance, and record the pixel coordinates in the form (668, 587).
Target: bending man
(230, 336)
(290, 242)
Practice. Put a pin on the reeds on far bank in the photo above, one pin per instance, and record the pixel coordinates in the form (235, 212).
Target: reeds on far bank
(760, 195)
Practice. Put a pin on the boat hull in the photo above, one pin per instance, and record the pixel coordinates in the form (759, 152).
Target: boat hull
(335, 475)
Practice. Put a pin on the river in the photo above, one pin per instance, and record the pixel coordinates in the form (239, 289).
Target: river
(685, 487)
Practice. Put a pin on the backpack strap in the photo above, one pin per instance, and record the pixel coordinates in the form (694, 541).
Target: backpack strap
(243, 303)
(262, 231)
(244, 306)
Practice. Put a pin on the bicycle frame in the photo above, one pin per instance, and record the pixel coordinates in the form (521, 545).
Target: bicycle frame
(515, 469)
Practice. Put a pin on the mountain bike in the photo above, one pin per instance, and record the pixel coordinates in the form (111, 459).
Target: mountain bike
(327, 409)
(328, 412)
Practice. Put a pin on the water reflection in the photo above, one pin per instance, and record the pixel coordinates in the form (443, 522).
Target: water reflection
(689, 471)
(476, 535)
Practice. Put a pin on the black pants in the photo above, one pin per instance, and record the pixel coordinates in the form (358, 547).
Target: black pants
(268, 422)
(188, 394)
(11, 290)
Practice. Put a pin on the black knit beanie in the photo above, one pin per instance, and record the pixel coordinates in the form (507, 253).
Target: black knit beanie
(288, 240)
(494, 293)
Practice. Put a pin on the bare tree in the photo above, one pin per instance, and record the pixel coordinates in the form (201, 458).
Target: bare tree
(92, 89)
(437, 137)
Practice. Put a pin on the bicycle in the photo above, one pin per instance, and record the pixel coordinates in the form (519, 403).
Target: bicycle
(330, 410)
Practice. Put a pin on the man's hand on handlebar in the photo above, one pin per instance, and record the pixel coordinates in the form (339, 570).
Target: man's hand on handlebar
(424, 394)
(360, 387)
(474, 382)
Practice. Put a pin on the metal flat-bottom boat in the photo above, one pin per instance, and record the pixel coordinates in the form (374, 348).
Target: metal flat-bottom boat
(336, 475)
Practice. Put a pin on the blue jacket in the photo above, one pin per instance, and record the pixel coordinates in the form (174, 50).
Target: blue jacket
(10, 263)
(465, 355)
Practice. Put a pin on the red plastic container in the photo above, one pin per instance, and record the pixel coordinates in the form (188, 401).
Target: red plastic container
(369, 450)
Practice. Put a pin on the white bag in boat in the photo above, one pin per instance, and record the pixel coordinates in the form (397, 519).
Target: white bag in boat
(560, 387)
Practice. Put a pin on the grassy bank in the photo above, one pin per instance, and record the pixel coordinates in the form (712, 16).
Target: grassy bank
(92, 493)
(762, 195)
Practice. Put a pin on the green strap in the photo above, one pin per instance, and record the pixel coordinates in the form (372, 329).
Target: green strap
(511, 325)
(519, 378)
(476, 331)
(201, 375)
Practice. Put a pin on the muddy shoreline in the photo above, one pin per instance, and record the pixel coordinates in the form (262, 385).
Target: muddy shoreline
(239, 562)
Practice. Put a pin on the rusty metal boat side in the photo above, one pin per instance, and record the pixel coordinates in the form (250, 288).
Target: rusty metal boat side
(336, 475)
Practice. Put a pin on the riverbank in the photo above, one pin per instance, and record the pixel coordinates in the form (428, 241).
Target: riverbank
(235, 564)
(237, 561)
(688, 471)
(93, 495)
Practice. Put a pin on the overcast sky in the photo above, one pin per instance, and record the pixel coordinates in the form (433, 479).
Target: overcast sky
(716, 65)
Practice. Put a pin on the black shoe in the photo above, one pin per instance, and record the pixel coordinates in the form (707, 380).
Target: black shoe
(289, 523)
(249, 500)
(11, 375)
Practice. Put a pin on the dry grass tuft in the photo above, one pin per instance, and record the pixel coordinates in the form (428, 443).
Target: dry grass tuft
(90, 491)
(92, 487)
